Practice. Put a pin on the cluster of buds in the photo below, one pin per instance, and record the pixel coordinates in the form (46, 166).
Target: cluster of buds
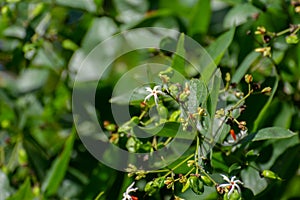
(256, 86)
(296, 4)
(266, 38)
(266, 51)
(132, 170)
(185, 93)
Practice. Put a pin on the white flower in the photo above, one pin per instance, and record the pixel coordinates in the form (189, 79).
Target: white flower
(242, 134)
(130, 188)
(231, 185)
(154, 92)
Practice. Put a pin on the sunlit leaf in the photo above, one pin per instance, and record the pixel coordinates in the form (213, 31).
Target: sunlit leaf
(179, 56)
(273, 133)
(216, 50)
(25, 192)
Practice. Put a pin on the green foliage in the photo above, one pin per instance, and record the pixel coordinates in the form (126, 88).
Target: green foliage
(246, 128)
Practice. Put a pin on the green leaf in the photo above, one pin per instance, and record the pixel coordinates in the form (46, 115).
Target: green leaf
(198, 95)
(130, 11)
(59, 167)
(25, 192)
(168, 129)
(253, 181)
(200, 17)
(218, 162)
(244, 66)
(273, 133)
(234, 167)
(216, 50)
(214, 89)
(260, 118)
(178, 62)
(239, 14)
(31, 79)
(81, 4)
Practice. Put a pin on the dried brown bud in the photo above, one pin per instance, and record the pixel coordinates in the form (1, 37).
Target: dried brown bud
(266, 38)
(255, 86)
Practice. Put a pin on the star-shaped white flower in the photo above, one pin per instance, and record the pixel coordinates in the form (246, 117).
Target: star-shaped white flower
(231, 185)
(126, 195)
(154, 92)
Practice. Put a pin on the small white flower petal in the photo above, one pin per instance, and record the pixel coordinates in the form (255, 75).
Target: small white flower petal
(230, 191)
(225, 178)
(239, 182)
(130, 188)
(232, 179)
(238, 188)
(156, 87)
(148, 97)
(148, 89)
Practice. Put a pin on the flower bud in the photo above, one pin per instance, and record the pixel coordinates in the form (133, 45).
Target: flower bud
(185, 186)
(162, 111)
(183, 97)
(207, 181)
(266, 51)
(190, 163)
(169, 72)
(196, 185)
(227, 77)
(248, 78)
(260, 30)
(266, 90)
(150, 189)
(159, 182)
(174, 116)
(292, 39)
(270, 174)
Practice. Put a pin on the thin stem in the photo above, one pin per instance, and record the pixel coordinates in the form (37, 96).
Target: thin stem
(241, 100)
(197, 152)
(168, 141)
(179, 164)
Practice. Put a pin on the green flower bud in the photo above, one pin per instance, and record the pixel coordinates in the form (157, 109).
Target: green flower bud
(22, 157)
(196, 185)
(207, 181)
(292, 39)
(150, 189)
(111, 127)
(159, 182)
(174, 90)
(185, 186)
(168, 72)
(183, 97)
(227, 77)
(270, 174)
(162, 111)
(234, 196)
(175, 116)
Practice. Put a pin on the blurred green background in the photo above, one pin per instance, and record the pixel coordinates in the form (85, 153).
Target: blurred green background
(42, 44)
